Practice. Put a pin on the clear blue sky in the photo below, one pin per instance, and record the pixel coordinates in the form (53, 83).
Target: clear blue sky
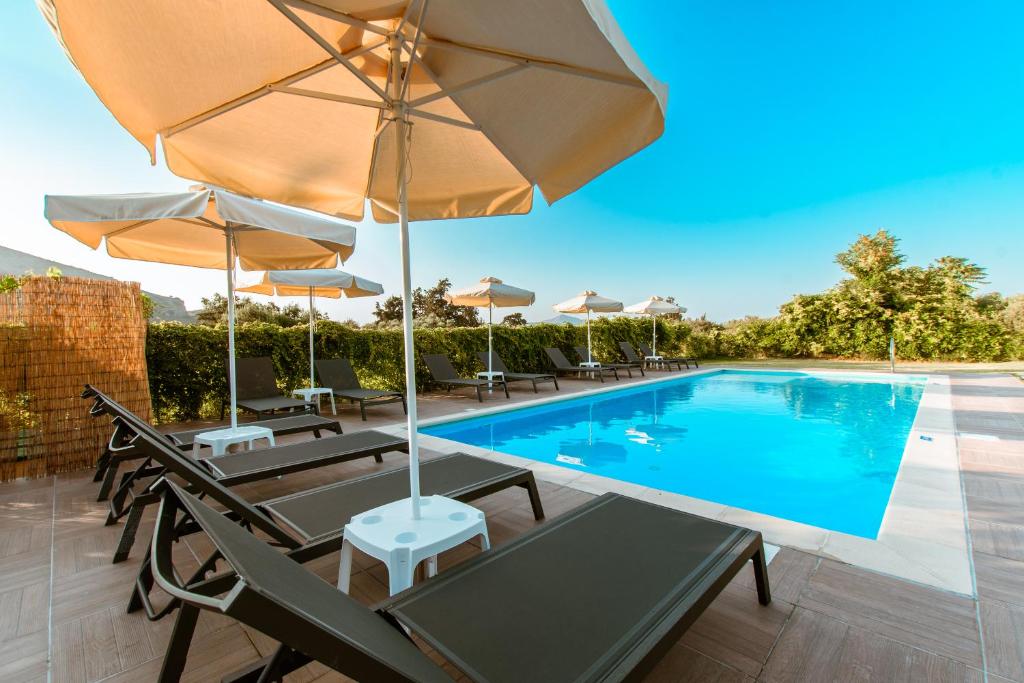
(792, 127)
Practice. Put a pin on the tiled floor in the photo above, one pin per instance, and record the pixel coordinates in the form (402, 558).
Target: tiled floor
(62, 603)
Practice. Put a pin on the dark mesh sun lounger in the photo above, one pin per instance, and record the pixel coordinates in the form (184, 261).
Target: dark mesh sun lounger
(680, 361)
(631, 356)
(443, 373)
(546, 606)
(564, 367)
(498, 365)
(256, 388)
(581, 351)
(233, 468)
(337, 375)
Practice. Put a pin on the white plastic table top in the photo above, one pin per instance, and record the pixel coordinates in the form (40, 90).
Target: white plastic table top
(654, 358)
(390, 534)
(219, 439)
(307, 394)
(496, 374)
(590, 364)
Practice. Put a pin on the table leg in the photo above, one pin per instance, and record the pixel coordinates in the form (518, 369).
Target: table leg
(195, 449)
(432, 566)
(218, 447)
(334, 408)
(345, 567)
(270, 440)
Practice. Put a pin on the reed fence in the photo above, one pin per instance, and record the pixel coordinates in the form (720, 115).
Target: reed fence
(56, 335)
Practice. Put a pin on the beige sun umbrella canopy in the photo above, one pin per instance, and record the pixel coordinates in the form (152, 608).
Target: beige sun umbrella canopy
(428, 109)
(491, 292)
(205, 229)
(654, 306)
(587, 302)
(329, 283)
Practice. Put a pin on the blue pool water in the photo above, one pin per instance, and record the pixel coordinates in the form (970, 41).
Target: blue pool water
(822, 450)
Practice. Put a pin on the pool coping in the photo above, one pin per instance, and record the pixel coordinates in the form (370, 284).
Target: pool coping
(923, 537)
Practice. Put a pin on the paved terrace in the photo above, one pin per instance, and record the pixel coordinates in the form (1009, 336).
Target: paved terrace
(62, 612)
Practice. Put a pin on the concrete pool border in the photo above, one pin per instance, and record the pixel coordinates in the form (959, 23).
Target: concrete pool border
(923, 537)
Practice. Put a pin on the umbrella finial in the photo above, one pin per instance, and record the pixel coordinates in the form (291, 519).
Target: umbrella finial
(490, 278)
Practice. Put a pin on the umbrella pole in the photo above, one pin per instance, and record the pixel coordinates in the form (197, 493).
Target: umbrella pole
(490, 348)
(654, 335)
(312, 321)
(590, 356)
(231, 324)
(401, 130)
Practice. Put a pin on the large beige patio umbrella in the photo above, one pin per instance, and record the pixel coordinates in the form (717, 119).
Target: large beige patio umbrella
(206, 229)
(587, 302)
(329, 283)
(654, 306)
(491, 292)
(426, 108)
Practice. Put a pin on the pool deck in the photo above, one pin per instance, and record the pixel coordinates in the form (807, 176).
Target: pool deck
(62, 616)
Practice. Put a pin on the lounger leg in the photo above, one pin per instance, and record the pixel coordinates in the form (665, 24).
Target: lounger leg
(504, 385)
(764, 593)
(405, 408)
(109, 475)
(101, 464)
(131, 525)
(531, 488)
(177, 649)
(535, 387)
(479, 394)
(555, 380)
(362, 410)
(378, 458)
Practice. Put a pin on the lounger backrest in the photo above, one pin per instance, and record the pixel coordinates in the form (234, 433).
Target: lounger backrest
(255, 378)
(497, 365)
(629, 352)
(558, 359)
(646, 349)
(440, 367)
(337, 373)
(153, 444)
(276, 595)
(581, 351)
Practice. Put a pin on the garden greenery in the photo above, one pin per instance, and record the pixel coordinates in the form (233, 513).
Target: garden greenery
(934, 313)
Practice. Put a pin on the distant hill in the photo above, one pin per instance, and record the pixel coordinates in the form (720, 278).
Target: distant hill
(562, 319)
(18, 263)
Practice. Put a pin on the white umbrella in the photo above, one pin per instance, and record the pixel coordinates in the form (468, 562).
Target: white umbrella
(491, 292)
(654, 307)
(427, 108)
(206, 229)
(326, 282)
(586, 302)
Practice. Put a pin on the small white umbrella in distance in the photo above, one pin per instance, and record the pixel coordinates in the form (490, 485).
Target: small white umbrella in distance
(491, 292)
(206, 229)
(654, 307)
(586, 302)
(326, 282)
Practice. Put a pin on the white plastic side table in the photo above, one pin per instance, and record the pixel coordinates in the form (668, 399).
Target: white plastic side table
(654, 358)
(308, 394)
(219, 439)
(590, 364)
(390, 534)
(490, 377)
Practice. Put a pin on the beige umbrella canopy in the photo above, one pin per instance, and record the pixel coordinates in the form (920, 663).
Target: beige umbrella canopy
(491, 292)
(654, 306)
(586, 302)
(206, 229)
(328, 283)
(426, 108)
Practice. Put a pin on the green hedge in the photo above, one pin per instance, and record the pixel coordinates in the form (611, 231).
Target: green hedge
(188, 379)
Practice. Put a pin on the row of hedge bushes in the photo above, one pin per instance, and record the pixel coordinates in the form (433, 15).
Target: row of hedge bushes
(188, 378)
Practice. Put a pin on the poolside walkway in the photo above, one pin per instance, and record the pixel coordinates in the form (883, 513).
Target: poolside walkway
(62, 603)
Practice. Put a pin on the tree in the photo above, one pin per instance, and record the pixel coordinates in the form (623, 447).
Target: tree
(514, 320)
(215, 312)
(429, 309)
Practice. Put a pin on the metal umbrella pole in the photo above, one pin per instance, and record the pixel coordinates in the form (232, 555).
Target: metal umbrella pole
(228, 239)
(590, 355)
(312, 321)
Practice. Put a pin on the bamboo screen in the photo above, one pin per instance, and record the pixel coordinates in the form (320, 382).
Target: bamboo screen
(56, 335)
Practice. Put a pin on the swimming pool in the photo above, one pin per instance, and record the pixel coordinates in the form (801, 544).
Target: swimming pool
(821, 449)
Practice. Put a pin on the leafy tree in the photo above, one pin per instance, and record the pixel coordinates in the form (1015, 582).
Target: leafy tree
(429, 309)
(215, 312)
(514, 320)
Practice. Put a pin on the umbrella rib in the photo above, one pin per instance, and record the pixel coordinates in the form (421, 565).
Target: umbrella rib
(462, 87)
(316, 94)
(444, 119)
(281, 7)
(337, 16)
(412, 50)
(534, 62)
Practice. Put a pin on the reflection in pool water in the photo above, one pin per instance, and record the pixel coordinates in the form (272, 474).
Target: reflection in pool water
(810, 448)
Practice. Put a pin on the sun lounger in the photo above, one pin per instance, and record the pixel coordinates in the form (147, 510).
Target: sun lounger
(685, 360)
(310, 523)
(547, 606)
(443, 373)
(337, 375)
(256, 389)
(564, 367)
(109, 462)
(232, 468)
(631, 357)
(581, 351)
(498, 365)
